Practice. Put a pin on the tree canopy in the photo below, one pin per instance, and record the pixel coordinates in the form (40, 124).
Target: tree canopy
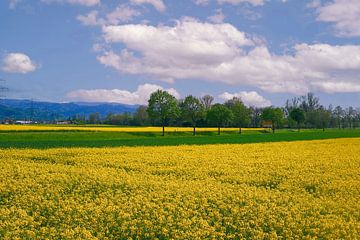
(192, 110)
(162, 107)
(275, 115)
(219, 116)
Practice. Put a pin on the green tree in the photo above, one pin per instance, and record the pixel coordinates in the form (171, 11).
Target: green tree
(192, 110)
(219, 116)
(94, 118)
(298, 115)
(141, 117)
(275, 115)
(240, 112)
(162, 107)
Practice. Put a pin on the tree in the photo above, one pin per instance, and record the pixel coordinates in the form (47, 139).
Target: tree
(298, 115)
(275, 115)
(324, 117)
(219, 116)
(162, 107)
(240, 112)
(207, 101)
(255, 114)
(192, 110)
(94, 118)
(141, 117)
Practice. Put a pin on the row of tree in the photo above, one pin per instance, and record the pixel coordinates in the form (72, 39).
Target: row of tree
(165, 110)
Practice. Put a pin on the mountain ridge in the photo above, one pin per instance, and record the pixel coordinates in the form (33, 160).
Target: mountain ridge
(25, 109)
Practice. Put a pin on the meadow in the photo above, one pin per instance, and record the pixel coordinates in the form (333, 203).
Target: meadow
(18, 136)
(79, 184)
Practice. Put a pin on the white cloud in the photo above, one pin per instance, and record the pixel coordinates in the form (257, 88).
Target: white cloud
(236, 2)
(121, 14)
(251, 98)
(314, 4)
(157, 4)
(344, 14)
(188, 42)
(18, 63)
(87, 3)
(140, 96)
(201, 2)
(218, 17)
(337, 87)
(90, 19)
(221, 53)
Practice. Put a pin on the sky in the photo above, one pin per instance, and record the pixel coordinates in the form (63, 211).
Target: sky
(263, 51)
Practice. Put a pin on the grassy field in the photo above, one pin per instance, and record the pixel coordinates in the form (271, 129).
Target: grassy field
(42, 138)
(289, 190)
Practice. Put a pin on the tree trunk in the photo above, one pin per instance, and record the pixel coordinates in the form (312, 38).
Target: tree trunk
(239, 130)
(194, 132)
(298, 127)
(218, 130)
(163, 130)
(273, 129)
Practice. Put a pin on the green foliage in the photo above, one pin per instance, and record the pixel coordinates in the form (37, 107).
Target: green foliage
(162, 107)
(219, 115)
(298, 115)
(94, 118)
(141, 116)
(241, 114)
(124, 119)
(192, 110)
(275, 115)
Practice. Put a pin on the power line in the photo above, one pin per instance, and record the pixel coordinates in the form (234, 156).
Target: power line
(3, 90)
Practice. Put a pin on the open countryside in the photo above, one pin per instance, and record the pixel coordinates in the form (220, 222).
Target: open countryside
(267, 190)
(191, 119)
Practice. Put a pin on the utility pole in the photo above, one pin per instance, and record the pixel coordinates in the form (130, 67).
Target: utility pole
(3, 90)
(31, 110)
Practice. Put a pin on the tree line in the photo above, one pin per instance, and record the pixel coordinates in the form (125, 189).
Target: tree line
(163, 109)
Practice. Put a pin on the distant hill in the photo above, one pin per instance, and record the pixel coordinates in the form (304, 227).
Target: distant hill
(27, 109)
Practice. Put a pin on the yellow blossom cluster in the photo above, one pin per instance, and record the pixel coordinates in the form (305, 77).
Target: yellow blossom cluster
(4, 127)
(288, 190)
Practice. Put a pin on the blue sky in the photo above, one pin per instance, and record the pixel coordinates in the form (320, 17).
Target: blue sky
(264, 51)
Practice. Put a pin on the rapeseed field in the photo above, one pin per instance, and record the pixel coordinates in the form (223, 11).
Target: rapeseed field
(111, 129)
(301, 190)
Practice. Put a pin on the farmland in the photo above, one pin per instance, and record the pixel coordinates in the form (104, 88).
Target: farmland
(307, 188)
(96, 136)
(92, 184)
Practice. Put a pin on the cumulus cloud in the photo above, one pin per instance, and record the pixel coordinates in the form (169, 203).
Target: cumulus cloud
(90, 19)
(236, 2)
(251, 98)
(157, 4)
(121, 14)
(344, 14)
(201, 2)
(218, 17)
(87, 3)
(140, 96)
(187, 42)
(18, 63)
(221, 53)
